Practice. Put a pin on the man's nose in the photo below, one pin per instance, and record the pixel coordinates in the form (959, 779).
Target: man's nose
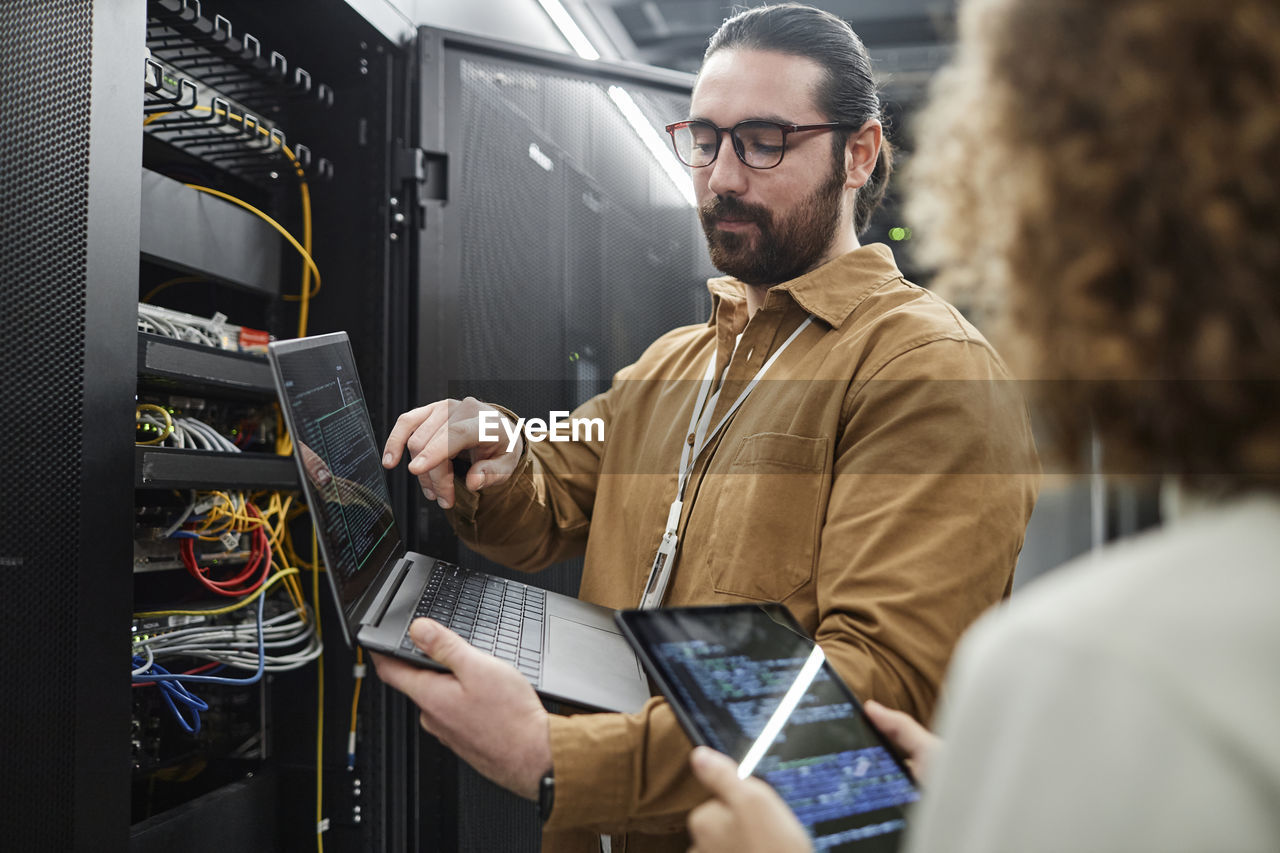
(728, 173)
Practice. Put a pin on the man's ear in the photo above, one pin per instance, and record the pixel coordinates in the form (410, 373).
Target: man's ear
(861, 153)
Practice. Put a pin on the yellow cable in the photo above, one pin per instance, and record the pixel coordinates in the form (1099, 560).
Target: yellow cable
(182, 279)
(304, 309)
(279, 508)
(284, 441)
(355, 700)
(306, 256)
(244, 602)
(164, 413)
(315, 595)
(307, 293)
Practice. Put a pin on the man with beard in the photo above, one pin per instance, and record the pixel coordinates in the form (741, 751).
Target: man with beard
(833, 437)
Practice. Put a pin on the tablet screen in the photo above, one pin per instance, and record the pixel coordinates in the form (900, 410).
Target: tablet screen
(747, 681)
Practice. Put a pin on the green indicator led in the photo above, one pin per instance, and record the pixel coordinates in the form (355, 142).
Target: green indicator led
(897, 233)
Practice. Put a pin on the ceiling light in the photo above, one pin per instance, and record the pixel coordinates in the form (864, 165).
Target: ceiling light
(569, 28)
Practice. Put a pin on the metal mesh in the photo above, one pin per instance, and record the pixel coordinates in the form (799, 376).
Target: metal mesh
(44, 135)
(577, 251)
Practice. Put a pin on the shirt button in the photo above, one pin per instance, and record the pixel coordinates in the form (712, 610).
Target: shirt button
(689, 440)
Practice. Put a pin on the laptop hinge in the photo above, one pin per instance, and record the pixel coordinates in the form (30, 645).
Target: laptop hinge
(378, 607)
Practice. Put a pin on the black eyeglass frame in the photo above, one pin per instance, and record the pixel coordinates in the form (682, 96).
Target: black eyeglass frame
(787, 130)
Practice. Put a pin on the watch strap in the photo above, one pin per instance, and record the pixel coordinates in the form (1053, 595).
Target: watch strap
(546, 795)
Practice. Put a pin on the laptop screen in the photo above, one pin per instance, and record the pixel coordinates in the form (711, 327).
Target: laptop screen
(339, 461)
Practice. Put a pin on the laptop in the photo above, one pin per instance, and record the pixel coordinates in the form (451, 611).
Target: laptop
(571, 651)
(747, 680)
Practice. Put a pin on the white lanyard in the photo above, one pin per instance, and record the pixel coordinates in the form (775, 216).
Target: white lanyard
(656, 587)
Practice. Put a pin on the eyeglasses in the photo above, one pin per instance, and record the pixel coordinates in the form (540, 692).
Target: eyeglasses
(758, 144)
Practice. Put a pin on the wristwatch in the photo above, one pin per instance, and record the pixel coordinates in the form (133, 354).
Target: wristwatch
(546, 795)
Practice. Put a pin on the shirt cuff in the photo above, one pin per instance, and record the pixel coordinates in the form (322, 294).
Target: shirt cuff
(593, 756)
(466, 503)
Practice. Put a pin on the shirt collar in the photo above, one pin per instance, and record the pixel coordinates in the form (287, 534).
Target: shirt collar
(831, 292)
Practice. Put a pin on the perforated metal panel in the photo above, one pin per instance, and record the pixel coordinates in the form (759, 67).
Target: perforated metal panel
(573, 235)
(44, 168)
(567, 251)
(577, 250)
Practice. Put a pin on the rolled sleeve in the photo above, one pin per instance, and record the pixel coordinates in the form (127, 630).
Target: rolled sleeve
(620, 773)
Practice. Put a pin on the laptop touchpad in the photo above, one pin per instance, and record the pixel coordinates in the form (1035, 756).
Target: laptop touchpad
(589, 654)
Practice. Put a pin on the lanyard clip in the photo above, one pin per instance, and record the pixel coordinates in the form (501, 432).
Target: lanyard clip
(660, 572)
(673, 517)
(663, 561)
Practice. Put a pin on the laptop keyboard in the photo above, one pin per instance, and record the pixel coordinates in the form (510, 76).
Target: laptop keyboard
(498, 616)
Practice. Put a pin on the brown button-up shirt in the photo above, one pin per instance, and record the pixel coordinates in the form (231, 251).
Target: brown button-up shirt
(878, 481)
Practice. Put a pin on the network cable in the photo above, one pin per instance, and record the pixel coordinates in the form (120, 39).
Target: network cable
(309, 267)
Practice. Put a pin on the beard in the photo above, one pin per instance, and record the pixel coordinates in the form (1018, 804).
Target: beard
(785, 246)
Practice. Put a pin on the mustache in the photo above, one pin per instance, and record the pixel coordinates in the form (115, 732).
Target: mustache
(727, 207)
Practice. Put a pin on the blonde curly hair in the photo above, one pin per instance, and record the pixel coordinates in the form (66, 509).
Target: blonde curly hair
(1110, 171)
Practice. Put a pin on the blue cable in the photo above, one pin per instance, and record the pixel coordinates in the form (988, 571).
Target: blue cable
(170, 690)
(162, 676)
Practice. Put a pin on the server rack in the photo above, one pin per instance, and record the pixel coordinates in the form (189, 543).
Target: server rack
(431, 236)
(555, 248)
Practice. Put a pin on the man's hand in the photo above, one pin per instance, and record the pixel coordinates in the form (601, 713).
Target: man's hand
(743, 816)
(916, 742)
(436, 433)
(483, 710)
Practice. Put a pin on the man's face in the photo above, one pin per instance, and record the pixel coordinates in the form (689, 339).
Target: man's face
(765, 226)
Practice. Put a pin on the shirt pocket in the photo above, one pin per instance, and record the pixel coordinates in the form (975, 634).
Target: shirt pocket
(768, 515)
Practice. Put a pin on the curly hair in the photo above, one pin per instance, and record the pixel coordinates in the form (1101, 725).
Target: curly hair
(1110, 170)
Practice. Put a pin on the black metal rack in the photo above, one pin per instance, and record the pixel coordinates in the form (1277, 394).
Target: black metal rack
(218, 96)
(164, 362)
(178, 32)
(175, 468)
(221, 131)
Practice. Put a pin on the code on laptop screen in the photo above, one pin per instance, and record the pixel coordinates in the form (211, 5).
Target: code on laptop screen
(342, 471)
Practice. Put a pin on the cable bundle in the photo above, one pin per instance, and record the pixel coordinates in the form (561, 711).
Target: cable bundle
(251, 575)
(283, 642)
(180, 432)
(213, 332)
(279, 644)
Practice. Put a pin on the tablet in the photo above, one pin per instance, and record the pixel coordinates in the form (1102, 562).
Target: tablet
(748, 681)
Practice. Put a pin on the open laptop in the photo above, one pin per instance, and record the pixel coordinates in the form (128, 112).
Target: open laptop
(569, 650)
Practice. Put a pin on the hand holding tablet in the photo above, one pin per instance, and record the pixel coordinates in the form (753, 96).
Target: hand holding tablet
(747, 681)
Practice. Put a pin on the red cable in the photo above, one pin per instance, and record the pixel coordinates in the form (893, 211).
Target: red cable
(259, 563)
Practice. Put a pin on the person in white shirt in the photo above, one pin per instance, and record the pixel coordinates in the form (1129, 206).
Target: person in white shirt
(1111, 170)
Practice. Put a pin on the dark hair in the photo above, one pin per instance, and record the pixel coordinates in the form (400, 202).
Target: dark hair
(1118, 185)
(847, 93)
